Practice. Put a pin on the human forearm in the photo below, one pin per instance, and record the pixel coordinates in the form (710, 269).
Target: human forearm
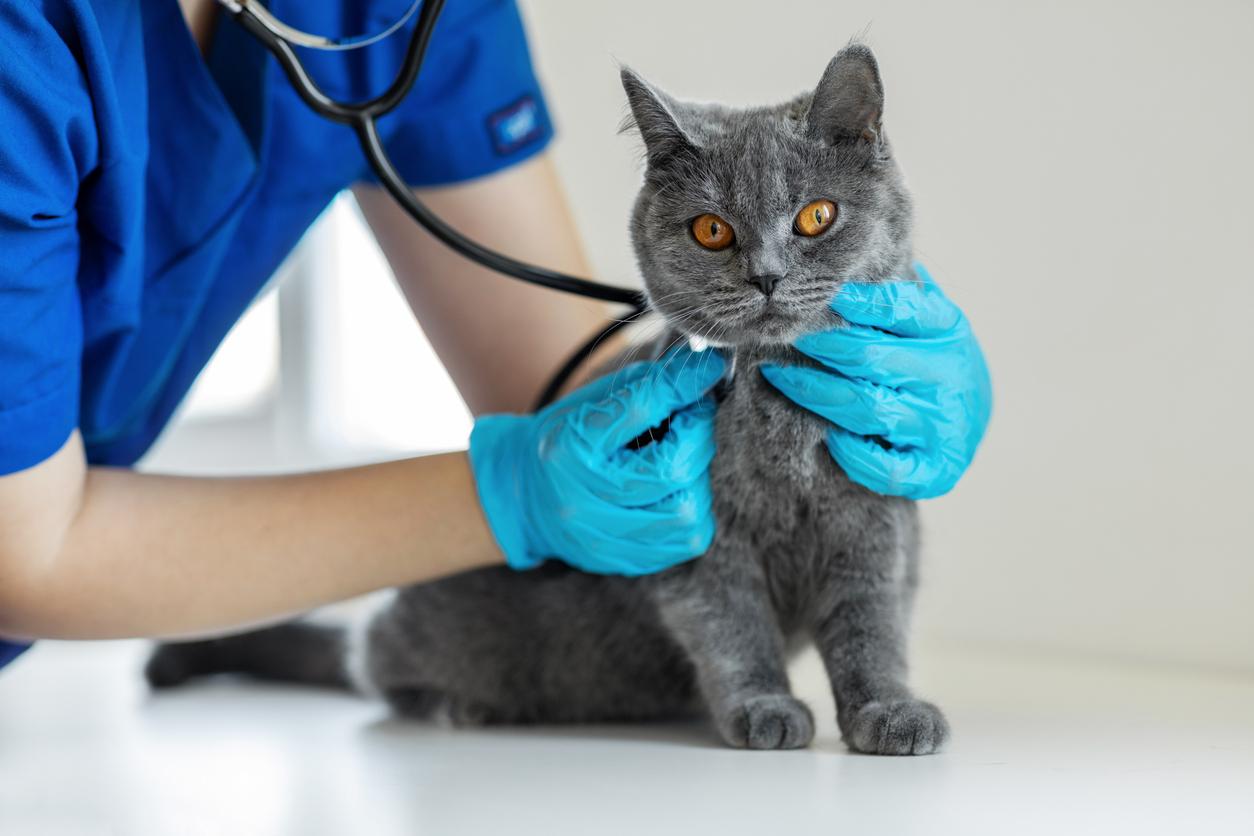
(152, 555)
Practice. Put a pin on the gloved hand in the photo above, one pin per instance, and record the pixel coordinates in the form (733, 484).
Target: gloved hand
(905, 385)
(563, 483)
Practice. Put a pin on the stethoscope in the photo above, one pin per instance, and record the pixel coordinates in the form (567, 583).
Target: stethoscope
(279, 38)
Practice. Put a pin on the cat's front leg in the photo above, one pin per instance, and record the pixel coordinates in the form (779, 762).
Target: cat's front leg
(719, 611)
(861, 635)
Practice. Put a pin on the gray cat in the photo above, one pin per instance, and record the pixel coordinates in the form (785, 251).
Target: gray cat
(747, 222)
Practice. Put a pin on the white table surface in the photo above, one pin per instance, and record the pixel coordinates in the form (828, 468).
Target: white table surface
(1042, 745)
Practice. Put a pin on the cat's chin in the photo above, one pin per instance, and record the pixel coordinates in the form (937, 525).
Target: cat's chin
(775, 333)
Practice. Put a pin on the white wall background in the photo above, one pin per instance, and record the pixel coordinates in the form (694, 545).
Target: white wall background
(1083, 177)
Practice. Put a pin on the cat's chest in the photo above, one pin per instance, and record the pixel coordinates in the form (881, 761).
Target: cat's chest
(770, 451)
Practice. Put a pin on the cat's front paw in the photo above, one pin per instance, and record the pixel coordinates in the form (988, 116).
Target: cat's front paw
(769, 721)
(896, 727)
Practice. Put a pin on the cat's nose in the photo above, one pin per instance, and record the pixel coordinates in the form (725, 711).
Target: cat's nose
(765, 282)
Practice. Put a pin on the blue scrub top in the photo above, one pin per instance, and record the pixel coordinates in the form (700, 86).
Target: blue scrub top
(147, 194)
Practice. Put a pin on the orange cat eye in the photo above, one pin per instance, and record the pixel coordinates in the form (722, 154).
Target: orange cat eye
(815, 217)
(712, 232)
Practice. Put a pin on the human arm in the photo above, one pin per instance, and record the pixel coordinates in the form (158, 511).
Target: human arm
(904, 384)
(105, 553)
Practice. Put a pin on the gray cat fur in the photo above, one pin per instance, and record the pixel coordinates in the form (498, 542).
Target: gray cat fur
(802, 553)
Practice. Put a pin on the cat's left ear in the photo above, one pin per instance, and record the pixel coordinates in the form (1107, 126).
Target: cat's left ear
(848, 104)
(654, 114)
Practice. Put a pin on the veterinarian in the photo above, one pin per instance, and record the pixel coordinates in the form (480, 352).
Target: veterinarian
(154, 172)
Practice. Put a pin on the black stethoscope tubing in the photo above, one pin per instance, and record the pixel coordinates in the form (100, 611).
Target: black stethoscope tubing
(362, 116)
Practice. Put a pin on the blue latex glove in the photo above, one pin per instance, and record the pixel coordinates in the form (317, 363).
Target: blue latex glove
(563, 483)
(905, 385)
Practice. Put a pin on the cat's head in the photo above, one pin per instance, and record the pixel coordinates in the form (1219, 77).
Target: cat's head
(749, 219)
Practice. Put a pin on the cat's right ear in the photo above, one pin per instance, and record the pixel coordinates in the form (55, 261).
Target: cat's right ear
(653, 113)
(848, 104)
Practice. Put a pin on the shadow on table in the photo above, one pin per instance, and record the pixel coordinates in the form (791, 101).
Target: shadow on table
(690, 733)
